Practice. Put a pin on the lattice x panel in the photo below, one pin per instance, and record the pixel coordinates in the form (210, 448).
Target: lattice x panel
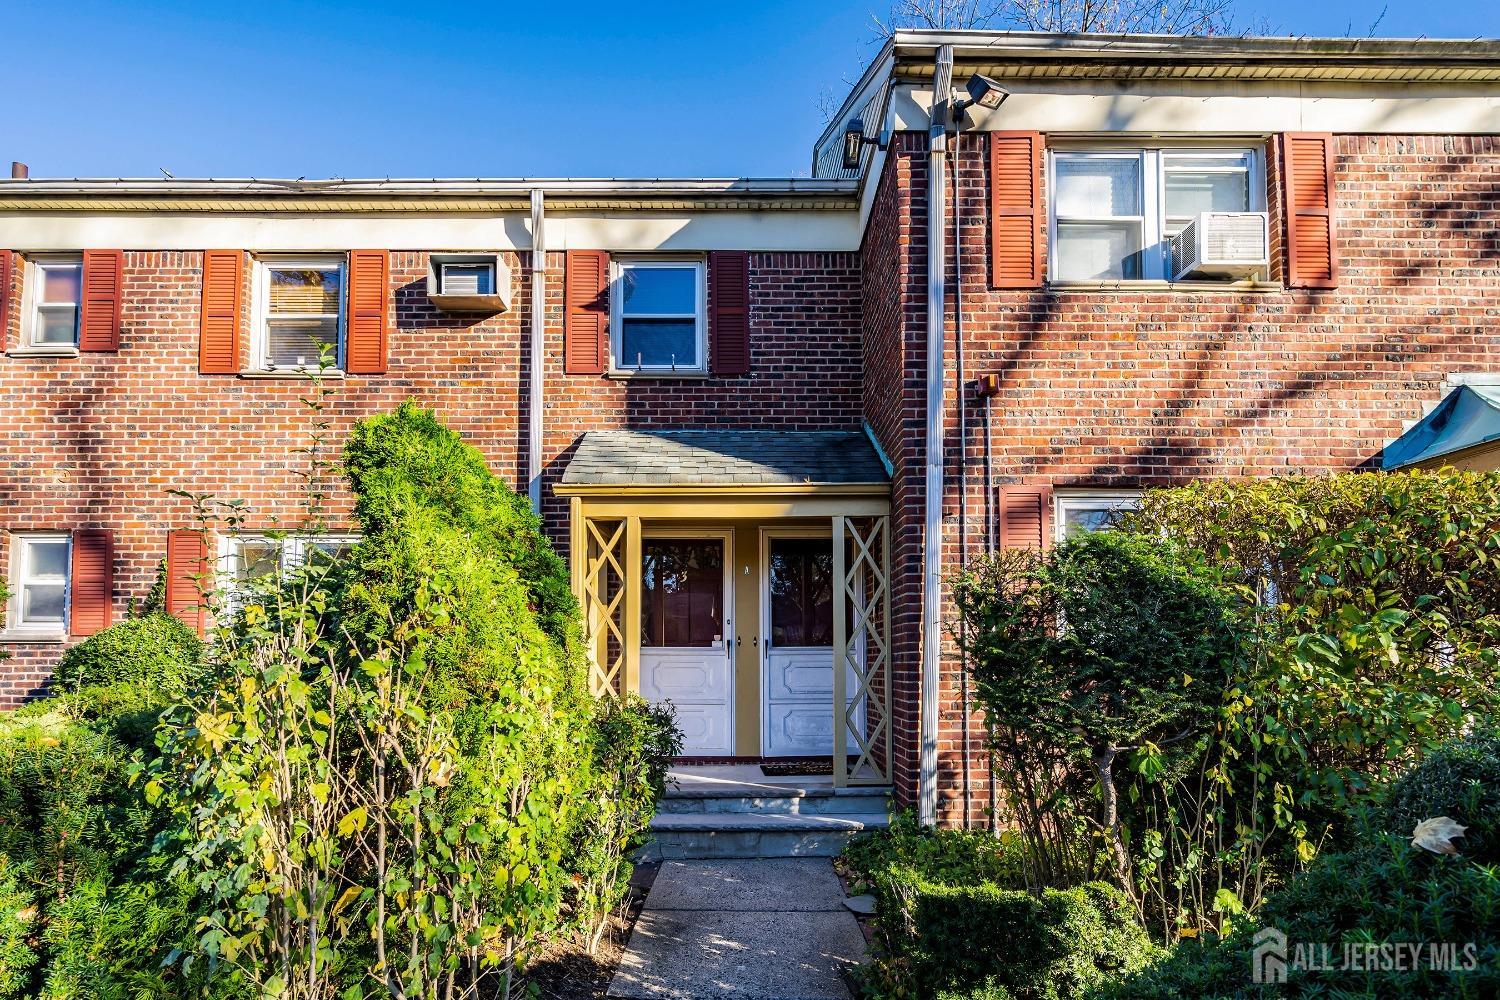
(862, 650)
(603, 597)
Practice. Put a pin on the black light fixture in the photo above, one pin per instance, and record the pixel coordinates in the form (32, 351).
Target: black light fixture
(983, 92)
(854, 142)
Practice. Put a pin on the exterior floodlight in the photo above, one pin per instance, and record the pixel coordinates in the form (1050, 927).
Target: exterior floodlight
(854, 142)
(983, 92)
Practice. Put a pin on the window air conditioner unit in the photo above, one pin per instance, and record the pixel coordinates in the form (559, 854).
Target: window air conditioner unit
(468, 282)
(1222, 245)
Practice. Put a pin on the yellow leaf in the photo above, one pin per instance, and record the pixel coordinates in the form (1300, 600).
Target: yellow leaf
(349, 895)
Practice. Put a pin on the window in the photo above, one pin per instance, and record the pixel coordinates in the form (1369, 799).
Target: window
(657, 316)
(54, 289)
(1114, 211)
(300, 308)
(1090, 511)
(40, 566)
(247, 558)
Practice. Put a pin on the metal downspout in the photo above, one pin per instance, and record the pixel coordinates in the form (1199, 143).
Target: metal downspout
(932, 534)
(537, 351)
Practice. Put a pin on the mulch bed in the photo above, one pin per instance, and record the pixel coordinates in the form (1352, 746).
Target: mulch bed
(565, 970)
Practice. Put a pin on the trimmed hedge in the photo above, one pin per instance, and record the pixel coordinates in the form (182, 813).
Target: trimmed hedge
(149, 650)
(1460, 780)
(945, 928)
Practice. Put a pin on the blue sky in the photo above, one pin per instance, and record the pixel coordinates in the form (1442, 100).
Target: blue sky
(476, 89)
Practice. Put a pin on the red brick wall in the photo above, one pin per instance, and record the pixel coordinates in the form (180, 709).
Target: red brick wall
(1139, 389)
(98, 441)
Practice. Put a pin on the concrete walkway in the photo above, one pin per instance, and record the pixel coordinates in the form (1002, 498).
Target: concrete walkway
(773, 929)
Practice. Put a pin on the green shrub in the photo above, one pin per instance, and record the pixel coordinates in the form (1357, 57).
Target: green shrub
(632, 746)
(1460, 780)
(945, 928)
(1380, 890)
(18, 929)
(1110, 647)
(155, 651)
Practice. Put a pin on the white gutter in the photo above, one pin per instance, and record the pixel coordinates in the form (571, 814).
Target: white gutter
(538, 354)
(932, 533)
(437, 187)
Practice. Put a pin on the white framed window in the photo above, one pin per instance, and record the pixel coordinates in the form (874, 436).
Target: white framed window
(657, 321)
(53, 293)
(1114, 210)
(244, 558)
(299, 306)
(40, 567)
(1078, 511)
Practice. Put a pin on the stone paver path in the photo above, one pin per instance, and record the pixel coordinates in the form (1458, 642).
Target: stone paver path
(772, 929)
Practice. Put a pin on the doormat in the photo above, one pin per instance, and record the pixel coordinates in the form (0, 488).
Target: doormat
(797, 768)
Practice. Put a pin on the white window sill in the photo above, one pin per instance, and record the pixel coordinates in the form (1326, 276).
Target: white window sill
(34, 634)
(629, 374)
(1188, 287)
(293, 373)
(57, 351)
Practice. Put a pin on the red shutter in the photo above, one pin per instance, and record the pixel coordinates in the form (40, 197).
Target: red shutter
(187, 564)
(586, 313)
(1025, 517)
(7, 270)
(92, 602)
(729, 312)
(99, 314)
(1311, 239)
(220, 326)
(366, 341)
(1016, 215)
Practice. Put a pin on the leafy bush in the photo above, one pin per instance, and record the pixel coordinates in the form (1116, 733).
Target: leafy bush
(633, 743)
(945, 928)
(18, 925)
(409, 725)
(154, 652)
(1460, 780)
(1109, 644)
(1378, 631)
(1380, 890)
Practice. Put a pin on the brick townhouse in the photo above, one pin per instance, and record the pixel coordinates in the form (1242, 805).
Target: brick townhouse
(1093, 265)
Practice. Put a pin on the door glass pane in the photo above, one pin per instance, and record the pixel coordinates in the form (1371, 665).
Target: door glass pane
(801, 592)
(1098, 186)
(658, 343)
(656, 290)
(1098, 251)
(682, 592)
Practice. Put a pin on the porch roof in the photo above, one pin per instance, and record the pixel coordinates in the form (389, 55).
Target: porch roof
(1467, 417)
(755, 458)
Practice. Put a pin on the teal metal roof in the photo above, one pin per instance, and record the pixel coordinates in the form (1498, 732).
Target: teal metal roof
(1467, 417)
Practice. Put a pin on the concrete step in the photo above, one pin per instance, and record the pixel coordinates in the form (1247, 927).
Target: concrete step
(791, 801)
(755, 835)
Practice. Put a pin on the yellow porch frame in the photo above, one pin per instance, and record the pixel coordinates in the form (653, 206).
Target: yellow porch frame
(605, 528)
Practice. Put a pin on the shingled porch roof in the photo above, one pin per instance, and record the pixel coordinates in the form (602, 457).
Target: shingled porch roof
(630, 458)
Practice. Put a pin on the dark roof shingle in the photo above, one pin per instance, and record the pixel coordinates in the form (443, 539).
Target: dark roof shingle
(723, 457)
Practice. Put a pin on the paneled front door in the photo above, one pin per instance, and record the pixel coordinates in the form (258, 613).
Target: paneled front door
(797, 643)
(685, 652)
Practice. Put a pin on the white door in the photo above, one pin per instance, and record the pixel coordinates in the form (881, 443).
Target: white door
(685, 655)
(797, 646)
